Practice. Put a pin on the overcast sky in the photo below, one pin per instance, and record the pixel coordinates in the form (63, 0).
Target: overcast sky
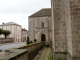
(18, 10)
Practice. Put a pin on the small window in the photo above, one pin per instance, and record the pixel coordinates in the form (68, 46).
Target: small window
(42, 24)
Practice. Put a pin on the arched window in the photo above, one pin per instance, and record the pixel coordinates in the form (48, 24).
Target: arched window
(42, 24)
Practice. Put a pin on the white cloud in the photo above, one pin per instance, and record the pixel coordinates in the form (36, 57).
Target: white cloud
(19, 10)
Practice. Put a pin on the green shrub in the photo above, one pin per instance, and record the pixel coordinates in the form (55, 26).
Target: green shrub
(28, 41)
(1, 31)
(5, 32)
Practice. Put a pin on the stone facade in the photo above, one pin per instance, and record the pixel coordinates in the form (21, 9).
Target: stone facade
(15, 30)
(75, 29)
(24, 35)
(66, 29)
(40, 25)
(60, 37)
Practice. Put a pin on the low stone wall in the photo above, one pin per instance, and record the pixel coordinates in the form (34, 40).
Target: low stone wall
(33, 49)
(18, 55)
(15, 54)
(7, 40)
(27, 52)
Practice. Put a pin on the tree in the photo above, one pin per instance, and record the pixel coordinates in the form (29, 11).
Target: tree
(28, 42)
(6, 33)
(1, 31)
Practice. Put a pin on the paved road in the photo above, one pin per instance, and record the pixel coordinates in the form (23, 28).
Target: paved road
(43, 55)
(11, 45)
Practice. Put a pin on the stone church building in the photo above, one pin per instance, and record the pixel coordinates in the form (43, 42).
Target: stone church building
(40, 26)
(63, 28)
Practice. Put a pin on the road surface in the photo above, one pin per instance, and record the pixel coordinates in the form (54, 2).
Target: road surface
(11, 45)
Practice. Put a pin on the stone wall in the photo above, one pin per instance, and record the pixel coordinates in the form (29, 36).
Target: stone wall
(60, 56)
(27, 52)
(75, 28)
(36, 29)
(60, 37)
(31, 29)
(16, 54)
(7, 40)
(66, 30)
(33, 49)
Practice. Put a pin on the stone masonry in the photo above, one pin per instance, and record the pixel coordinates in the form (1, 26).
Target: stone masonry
(60, 38)
(37, 29)
(75, 29)
(66, 29)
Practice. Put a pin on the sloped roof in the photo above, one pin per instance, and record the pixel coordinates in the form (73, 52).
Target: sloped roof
(42, 12)
(11, 23)
(23, 29)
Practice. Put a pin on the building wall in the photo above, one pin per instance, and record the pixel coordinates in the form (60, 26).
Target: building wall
(31, 29)
(60, 25)
(59, 17)
(66, 29)
(15, 32)
(36, 30)
(24, 35)
(75, 26)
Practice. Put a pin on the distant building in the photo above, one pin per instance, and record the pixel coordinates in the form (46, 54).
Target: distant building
(24, 34)
(40, 27)
(15, 30)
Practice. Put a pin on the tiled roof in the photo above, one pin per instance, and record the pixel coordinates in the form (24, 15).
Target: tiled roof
(42, 12)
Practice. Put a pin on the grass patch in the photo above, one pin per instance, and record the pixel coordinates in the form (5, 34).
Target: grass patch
(1, 59)
(50, 55)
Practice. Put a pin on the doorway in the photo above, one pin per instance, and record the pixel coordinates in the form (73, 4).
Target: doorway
(43, 37)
